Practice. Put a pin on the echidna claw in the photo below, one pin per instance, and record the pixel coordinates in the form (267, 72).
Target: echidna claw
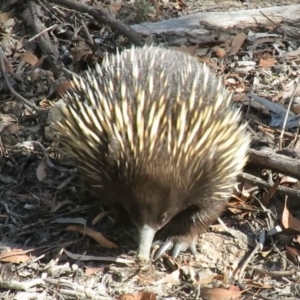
(178, 247)
(163, 248)
(193, 248)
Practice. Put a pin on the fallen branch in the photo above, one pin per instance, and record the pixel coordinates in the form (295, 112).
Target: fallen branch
(276, 162)
(44, 41)
(204, 25)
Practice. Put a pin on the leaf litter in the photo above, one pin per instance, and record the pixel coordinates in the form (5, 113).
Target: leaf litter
(56, 244)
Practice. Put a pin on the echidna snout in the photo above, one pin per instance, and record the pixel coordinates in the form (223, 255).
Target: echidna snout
(154, 129)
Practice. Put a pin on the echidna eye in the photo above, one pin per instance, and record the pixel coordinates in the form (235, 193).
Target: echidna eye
(163, 218)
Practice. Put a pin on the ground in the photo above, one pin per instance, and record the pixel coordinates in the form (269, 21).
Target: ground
(58, 243)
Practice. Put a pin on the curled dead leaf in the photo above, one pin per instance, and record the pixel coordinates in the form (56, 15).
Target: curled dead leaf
(219, 51)
(95, 235)
(100, 216)
(138, 296)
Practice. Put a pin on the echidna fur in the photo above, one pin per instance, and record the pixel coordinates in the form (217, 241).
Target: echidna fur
(154, 131)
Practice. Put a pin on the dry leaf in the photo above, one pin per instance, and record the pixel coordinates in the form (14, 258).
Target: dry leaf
(237, 43)
(29, 58)
(100, 216)
(267, 197)
(269, 62)
(248, 186)
(290, 55)
(170, 278)
(14, 256)
(288, 221)
(114, 8)
(296, 109)
(219, 293)
(48, 202)
(41, 170)
(59, 205)
(288, 180)
(278, 96)
(240, 89)
(138, 296)
(81, 51)
(293, 250)
(207, 60)
(63, 87)
(95, 235)
(219, 51)
(235, 211)
(188, 50)
(206, 276)
(92, 271)
(238, 97)
(5, 16)
(182, 4)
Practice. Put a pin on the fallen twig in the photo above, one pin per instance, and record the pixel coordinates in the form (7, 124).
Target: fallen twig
(104, 17)
(284, 191)
(30, 105)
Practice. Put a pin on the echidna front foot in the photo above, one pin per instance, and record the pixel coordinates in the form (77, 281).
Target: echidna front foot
(176, 247)
(182, 232)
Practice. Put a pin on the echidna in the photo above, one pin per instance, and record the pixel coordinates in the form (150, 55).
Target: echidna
(154, 133)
